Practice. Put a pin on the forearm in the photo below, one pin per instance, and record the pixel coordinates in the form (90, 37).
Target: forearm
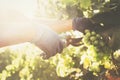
(17, 28)
(62, 26)
(11, 35)
(19, 32)
(56, 25)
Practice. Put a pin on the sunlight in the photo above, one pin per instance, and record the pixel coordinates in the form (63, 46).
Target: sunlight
(27, 7)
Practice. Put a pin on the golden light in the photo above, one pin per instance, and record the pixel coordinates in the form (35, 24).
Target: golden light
(27, 7)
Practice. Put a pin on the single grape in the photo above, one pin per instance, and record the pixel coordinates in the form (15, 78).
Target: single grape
(96, 42)
(87, 31)
(93, 33)
(98, 36)
(92, 38)
(87, 35)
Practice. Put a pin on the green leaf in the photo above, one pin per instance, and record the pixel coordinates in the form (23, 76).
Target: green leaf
(85, 4)
(68, 1)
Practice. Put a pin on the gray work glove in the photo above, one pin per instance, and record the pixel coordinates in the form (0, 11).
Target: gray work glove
(49, 41)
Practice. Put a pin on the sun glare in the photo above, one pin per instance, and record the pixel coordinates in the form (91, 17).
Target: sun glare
(27, 7)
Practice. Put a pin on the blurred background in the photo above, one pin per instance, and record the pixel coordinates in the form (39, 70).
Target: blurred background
(60, 9)
(84, 62)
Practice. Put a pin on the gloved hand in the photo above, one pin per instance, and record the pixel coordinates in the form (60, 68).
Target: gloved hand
(48, 40)
(109, 33)
(81, 24)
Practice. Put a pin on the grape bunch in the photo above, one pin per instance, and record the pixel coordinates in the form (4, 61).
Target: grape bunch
(95, 52)
(91, 38)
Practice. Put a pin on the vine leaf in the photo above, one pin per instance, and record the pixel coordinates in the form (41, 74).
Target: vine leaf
(85, 4)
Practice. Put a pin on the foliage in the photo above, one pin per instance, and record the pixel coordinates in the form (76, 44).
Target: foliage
(91, 59)
(65, 9)
(23, 62)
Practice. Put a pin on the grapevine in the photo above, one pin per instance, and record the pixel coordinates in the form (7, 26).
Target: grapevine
(90, 60)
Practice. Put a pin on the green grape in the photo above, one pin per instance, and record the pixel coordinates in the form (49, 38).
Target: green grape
(88, 34)
(98, 36)
(87, 31)
(92, 38)
(95, 42)
(93, 33)
(86, 41)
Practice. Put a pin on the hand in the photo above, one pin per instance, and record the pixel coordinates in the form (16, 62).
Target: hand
(48, 41)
